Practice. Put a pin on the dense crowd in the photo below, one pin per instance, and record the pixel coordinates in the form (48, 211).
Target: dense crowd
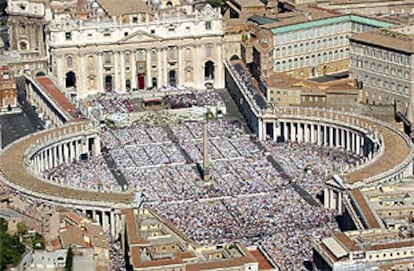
(309, 164)
(116, 254)
(109, 103)
(92, 174)
(205, 98)
(248, 198)
(246, 79)
(282, 222)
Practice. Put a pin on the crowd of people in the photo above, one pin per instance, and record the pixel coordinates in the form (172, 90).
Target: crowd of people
(92, 174)
(247, 199)
(116, 254)
(205, 98)
(109, 103)
(309, 164)
(282, 222)
(251, 90)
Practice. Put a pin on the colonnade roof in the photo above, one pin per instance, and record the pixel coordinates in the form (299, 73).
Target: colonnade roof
(12, 166)
(396, 148)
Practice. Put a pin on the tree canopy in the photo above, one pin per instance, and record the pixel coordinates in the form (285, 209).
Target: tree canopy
(11, 249)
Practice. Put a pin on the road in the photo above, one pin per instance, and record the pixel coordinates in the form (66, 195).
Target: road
(17, 125)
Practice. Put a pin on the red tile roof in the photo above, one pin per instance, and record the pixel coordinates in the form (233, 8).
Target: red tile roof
(54, 92)
(264, 264)
(364, 208)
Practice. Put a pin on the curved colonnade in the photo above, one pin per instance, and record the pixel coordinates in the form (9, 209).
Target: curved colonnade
(388, 157)
(387, 152)
(21, 161)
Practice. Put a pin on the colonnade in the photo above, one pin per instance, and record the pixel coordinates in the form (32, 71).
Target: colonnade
(109, 219)
(37, 96)
(333, 199)
(323, 134)
(65, 151)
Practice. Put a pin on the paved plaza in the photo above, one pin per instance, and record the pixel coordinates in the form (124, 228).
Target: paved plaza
(259, 192)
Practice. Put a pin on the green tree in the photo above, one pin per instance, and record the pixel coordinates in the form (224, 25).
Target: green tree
(38, 241)
(22, 228)
(3, 225)
(11, 250)
(218, 4)
(69, 260)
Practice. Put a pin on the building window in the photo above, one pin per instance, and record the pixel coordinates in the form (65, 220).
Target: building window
(208, 25)
(68, 36)
(140, 55)
(69, 62)
(209, 49)
(107, 57)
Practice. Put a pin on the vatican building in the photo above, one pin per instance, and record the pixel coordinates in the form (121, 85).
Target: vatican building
(113, 47)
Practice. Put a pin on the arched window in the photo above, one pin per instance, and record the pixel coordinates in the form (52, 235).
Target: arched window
(209, 50)
(70, 79)
(209, 70)
(69, 61)
(23, 46)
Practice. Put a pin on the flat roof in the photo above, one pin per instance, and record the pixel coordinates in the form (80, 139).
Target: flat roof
(365, 209)
(330, 20)
(264, 264)
(261, 19)
(334, 247)
(53, 91)
(386, 38)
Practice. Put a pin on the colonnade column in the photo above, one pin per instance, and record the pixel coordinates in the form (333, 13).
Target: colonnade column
(112, 222)
(219, 75)
(105, 220)
(339, 205)
(122, 83)
(326, 197)
(292, 132)
(72, 151)
(82, 77)
(260, 131)
(164, 67)
(337, 141)
(133, 71)
(358, 144)
(117, 222)
(285, 132)
(348, 140)
(300, 132)
(352, 142)
(100, 73)
(319, 135)
(66, 152)
(41, 161)
(160, 76)
(117, 74)
(49, 155)
(331, 138)
(325, 135)
(180, 66)
(312, 131)
(307, 128)
(149, 69)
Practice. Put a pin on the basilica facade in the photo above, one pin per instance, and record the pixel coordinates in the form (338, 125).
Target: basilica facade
(153, 46)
